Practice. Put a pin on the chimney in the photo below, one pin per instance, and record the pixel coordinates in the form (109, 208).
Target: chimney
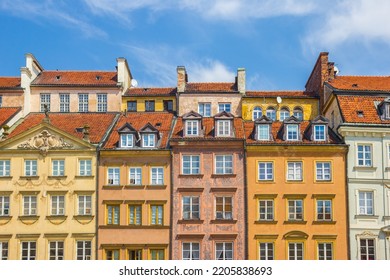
(182, 79)
(241, 80)
(86, 133)
(123, 74)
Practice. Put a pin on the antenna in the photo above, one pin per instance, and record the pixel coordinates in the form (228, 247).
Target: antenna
(279, 99)
(134, 83)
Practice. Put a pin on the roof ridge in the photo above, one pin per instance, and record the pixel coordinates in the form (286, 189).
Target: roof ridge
(57, 70)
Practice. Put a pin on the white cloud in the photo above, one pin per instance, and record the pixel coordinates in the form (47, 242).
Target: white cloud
(209, 71)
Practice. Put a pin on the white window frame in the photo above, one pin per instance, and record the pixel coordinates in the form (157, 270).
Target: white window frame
(325, 255)
(44, 100)
(157, 175)
(64, 102)
(321, 132)
(224, 128)
(4, 249)
(294, 171)
(225, 106)
(127, 140)
(364, 209)
(83, 102)
(57, 205)
(267, 166)
(224, 214)
(266, 211)
(295, 250)
(30, 204)
(223, 250)
(190, 251)
(204, 109)
(113, 176)
(31, 253)
(264, 252)
(298, 113)
(4, 205)
(190, 205)
(5, 167)
(193, 162)
(271, 113)
(30, 167)
(85, 167)
(58, 250)
(192, 127)
(284, 114)
(323, 172)
(263, 132)
(294, 210)
(58, 167)
(294, 130)
(85, 245)
(102, 102)
(84, 205)
(135, 175)
(366, 159)
(257, 113)
(148, 140)
(327, 209)
(223, 164)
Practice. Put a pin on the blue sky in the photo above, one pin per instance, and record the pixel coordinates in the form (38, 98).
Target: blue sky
(277, 42)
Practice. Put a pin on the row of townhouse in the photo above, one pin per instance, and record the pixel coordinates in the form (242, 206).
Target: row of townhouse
(92, 168)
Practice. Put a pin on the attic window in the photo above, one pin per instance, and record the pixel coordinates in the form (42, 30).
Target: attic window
(146, 89)
(355, 85)
(360, 114)
(158, 124)
(58, 77)
(98, 78)
(79, 129)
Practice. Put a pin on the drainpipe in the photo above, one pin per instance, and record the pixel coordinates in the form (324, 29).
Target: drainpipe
(171, 208)
(384, 190)
(245, 203)
(97, 202)
(347, 205)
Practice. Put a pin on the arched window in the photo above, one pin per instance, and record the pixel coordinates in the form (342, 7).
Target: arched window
(271, 113)
(284, 114)
(298, 113)
(257, 113)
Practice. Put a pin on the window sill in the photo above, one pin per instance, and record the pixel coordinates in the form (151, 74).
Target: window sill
(364, 168)
(266, 222)
(29, 177)
(295, 222)
(4, 218)
(223, 221)
(190, 221)
(135, 187)
(5, 177)
(84, 177)
(386, 218)
(83, 217)
(57, 177)
(324, 222)
(156, 187)
(28, 217)
(191, 175)
(112, 187)
(371, 217)
(223, 175)
(56, 217)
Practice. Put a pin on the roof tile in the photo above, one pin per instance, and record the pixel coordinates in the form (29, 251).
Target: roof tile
(361, 83)
(76, 78)
(211, 87)
(10, 82)
(6, 113)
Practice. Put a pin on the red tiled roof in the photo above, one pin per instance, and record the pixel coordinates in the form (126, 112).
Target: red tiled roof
(6, 113)
(211, 87)
(150, 91)
(276, 130)
(208, 126)
(9, 82)
(351, 104)
(280, 93)
(76, 78)
(361, 83)
(99, 123)
(160, 120)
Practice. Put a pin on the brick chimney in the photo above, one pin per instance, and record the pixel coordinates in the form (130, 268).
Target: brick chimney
(182, 79)
(241, 80)
(86, 133)
(123, 74)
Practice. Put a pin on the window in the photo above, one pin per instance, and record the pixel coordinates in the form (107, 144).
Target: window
(325, 251)
(191, 164)
(204, 109)
(266, 210)
(149, 105)
(157, 254)
(30, 168)
(156, 217)
(324, 210)
(168, 105)
(295, 210)
(85, 205)
(223, 208)
(29, 250)
(1, 101)
(364, 155)
(113, 175)
(112, 254)
(4, 205)
(157, 176)
(224, 251)
(266, 250)
(266, 171)
(112, 214)
(323, 171)
(29, 205)
(191, 207)
(135, 255)
(224, 107)
(135, 175)
(292, 132)
(224, 164)
(84, 250)
(298, 113)
(190, 251)
(271, 113)
(58, 167)
(257, 113)
(3, 250)
(127, 140)
(64, 102)
(83, 103)
(102, 102)
(148, 140)
(387, 111)
(85, 167)
(367, 249)
(294, 171)
(284, 114)
(45, 100)
(135, 215)
(57, 205)
(192, 128)
(263, 132)
(295, 251)
(319, 133)
(223, 127)
(56, 250)
(132, 106)
(366, 203)
(5, 168)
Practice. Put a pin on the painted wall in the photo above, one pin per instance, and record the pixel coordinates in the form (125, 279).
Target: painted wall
(159, 102)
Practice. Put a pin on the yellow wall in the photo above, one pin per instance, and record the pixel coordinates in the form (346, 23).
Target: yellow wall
(159, 102)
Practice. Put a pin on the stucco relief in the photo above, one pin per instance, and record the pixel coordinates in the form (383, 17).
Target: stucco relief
(45, 141)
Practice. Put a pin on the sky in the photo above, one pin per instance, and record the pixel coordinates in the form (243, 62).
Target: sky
(277, 42)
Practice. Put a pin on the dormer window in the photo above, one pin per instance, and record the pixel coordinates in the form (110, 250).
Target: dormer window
(148, 140)
(292, 132)
(192, 128)
(387, 111)
(223, 127)
(127, 140)
(128, 136)
(263, 132)
(192, 124)
(319, 132)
